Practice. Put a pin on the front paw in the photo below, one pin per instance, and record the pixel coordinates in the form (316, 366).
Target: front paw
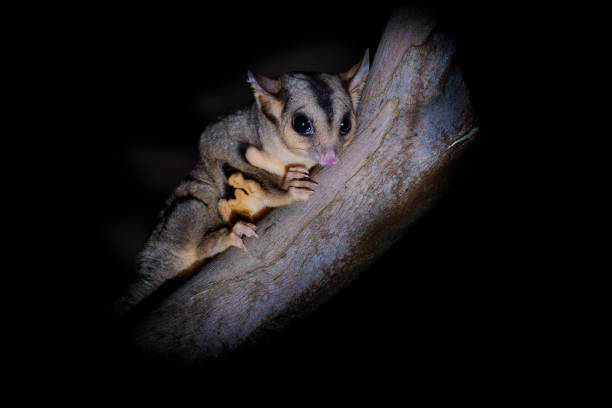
(300, 187)
(294, 173)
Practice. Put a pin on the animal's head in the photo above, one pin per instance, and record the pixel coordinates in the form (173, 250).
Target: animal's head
(313, 113)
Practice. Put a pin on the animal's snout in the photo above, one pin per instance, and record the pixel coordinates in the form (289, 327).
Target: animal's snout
(327, 156)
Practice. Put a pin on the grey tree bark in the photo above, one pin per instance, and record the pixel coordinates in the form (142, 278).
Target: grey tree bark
(415, 118)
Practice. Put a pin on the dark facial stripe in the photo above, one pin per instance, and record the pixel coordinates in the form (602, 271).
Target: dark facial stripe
(323, 94)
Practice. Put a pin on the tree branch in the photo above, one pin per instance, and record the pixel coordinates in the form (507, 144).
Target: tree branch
(413, 118)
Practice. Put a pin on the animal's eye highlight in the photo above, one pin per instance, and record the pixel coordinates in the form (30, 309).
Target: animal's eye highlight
(345, 125)
(302, 125)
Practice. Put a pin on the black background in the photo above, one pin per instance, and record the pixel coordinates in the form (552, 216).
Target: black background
(453, 292)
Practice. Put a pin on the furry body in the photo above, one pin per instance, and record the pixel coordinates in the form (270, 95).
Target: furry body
(250, 161)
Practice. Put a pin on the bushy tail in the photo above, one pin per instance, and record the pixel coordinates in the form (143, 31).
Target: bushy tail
(136, 293)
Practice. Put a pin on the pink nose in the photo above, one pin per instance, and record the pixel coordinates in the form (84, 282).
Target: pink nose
(328, 157)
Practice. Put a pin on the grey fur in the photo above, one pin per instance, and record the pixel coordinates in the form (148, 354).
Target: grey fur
(191, 212)
(191, 227)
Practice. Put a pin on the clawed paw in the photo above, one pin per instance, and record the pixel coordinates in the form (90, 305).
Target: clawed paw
(239, 230)
(296, 173)
(299, 188)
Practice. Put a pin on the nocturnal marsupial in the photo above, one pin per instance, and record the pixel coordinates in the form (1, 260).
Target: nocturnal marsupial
(250, 161)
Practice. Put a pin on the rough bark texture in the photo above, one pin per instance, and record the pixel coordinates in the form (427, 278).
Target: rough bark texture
(414, 115)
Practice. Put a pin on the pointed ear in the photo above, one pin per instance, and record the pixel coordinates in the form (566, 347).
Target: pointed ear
(355, 78)
(268, 95)
(266, 86)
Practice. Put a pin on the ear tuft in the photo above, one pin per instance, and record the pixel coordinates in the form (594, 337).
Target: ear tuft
(354, 79)
(263, 85)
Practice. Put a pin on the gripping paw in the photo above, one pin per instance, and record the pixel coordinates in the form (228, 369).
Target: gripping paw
(239, 230)
(299, 188)
(296, 173)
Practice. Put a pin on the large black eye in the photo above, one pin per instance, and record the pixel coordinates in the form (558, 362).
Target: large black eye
(302, 125)
(345, 125)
